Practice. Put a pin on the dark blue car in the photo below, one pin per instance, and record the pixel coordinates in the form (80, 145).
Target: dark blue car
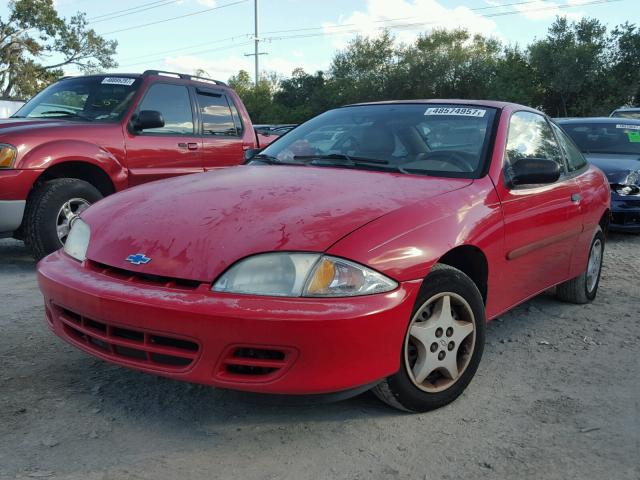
(613, 145)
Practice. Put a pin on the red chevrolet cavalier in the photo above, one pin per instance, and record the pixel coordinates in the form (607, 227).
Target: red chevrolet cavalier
(367, 248)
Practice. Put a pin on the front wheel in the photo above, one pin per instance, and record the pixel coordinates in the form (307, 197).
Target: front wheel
(50, 209)
(443, 344)
(584, 287)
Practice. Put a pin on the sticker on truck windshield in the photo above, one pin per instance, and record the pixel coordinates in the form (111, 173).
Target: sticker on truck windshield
(118, 81)
(460, 111)
(634, 137)
(628, 127)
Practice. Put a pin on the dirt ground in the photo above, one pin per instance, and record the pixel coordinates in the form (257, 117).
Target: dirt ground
(557, 396)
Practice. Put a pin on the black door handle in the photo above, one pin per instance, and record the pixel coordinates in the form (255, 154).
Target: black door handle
(575, 197)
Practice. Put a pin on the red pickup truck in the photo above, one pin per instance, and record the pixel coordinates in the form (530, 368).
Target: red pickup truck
(86, 137)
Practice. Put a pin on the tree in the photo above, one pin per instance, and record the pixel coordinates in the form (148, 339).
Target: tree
(36, 43)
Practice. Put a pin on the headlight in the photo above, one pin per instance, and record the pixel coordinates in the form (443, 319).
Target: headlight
(630, 184)
(78, 240)
(301, 275)
(8, 154)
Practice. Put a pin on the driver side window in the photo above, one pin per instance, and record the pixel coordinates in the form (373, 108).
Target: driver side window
(530, 136)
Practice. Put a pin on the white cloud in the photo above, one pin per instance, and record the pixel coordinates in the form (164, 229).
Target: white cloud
(410, 18)
(544, 10)
(207, 3)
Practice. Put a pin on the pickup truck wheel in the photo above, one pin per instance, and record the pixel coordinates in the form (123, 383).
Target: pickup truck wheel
(50, 209)
(443, 344)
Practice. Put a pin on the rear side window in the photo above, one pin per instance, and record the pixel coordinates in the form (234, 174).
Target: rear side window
(216, 115)
(530, 136)
(575, 159)
(173, 102)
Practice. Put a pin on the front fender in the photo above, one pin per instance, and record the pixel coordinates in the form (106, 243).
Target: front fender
(406, 243)
(49, 154)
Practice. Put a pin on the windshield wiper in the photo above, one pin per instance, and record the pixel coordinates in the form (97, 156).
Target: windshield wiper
(69, 114)
(270, 159)
(340, 159)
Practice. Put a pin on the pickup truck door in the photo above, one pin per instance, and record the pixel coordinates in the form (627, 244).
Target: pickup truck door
(542, 223)
(221, 129)
(166, 151)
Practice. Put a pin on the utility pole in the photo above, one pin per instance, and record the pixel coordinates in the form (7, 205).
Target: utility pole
(256, 40)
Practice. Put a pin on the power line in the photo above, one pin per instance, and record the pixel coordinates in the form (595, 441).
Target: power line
(129, 11)
(228, 47)
(134, 27)
(421, 23)
(187, 47)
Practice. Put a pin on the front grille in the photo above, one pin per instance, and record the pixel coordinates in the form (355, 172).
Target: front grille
(143, 278)
(626, 218)
(251, 363)
(135, 346)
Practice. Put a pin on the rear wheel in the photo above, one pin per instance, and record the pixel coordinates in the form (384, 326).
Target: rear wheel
(443, 344)
(51, 208)
(584, 287)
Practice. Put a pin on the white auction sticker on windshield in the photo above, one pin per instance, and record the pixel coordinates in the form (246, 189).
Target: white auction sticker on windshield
(460, 111)
(118, 81)
(628, 127)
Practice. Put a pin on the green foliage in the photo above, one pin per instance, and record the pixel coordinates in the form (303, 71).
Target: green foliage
(36, 43)
(578, 69)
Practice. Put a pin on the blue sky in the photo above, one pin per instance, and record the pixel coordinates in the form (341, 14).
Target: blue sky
(303, 33)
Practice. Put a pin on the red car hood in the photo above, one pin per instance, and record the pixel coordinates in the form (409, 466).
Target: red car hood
(194, 227)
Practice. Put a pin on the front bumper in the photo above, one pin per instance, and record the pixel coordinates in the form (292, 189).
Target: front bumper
(625, 213)
(15, 186)
(11, 212)
(258, 344)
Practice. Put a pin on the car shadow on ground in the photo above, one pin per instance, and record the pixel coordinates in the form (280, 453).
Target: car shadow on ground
(15, 257)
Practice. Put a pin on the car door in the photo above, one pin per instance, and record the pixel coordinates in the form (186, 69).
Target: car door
(221, 129)
(589, 182)
(542, 223)
(167, 151)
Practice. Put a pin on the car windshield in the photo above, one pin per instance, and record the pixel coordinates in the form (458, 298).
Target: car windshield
(95, 98)
(424, 139)
(635, 114)
(614, 138)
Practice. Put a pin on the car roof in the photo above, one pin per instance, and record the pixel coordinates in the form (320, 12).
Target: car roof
(455, 101)
(582, 120)
(156, 73)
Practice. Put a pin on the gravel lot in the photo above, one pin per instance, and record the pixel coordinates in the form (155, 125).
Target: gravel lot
(556, 397)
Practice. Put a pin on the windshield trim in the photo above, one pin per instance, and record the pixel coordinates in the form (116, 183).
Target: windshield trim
(484, 162)
(137, 85)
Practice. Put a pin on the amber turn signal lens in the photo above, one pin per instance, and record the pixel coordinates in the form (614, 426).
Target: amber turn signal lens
(7, 156)
(322, 278)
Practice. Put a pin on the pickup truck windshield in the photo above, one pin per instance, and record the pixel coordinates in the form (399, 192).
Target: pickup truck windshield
(423, 139)
(95, 98)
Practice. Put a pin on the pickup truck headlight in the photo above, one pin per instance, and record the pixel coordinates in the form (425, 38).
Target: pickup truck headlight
(78, 240)
(8, 154)
(301, 275)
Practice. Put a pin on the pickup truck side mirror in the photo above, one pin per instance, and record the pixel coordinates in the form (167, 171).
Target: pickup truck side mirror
(250, 153)
(148, 119)
(534, 171)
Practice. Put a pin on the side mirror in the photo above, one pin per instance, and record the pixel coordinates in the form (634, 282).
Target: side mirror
(250, 153)
(148, 119)
(534, 171)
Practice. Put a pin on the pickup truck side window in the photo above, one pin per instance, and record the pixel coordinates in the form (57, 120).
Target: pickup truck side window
(173, 102)
(530, 136)
(216, 115)
(236, 116)
(575, 159)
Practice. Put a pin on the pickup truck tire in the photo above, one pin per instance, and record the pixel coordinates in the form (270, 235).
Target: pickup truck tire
(45, 206)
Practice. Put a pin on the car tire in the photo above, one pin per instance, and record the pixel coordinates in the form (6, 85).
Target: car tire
(50, 207)
(584, 287)
(406, 390)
